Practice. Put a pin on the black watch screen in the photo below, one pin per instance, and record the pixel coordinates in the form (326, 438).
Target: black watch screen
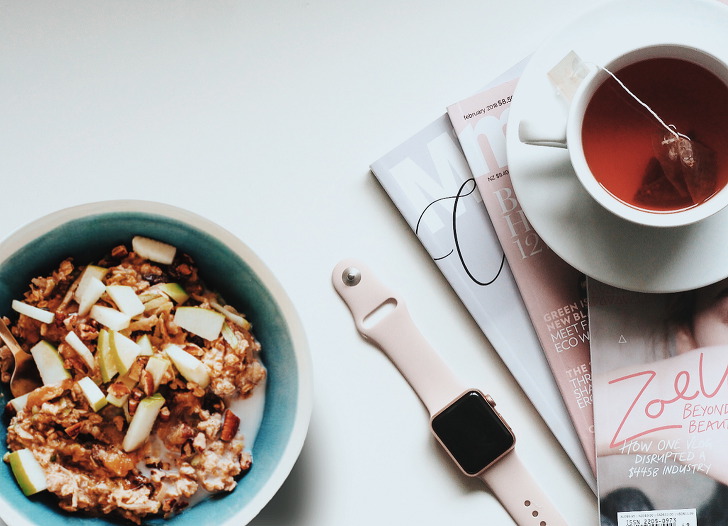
(472, 432)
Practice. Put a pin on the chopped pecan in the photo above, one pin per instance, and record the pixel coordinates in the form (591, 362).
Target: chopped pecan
(74, 429)
(119, 390)
(147, 383)
(119, 252)
(134, 399)
(164, 414)
(135, 372)
(230, 424)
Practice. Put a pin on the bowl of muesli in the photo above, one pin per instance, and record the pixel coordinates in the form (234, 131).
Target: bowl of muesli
(172, 380)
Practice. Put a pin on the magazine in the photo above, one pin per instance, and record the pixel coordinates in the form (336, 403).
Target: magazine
(428, 179)
(554, 292)
(660, 366)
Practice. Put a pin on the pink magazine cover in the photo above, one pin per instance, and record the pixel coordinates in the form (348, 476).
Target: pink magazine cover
(554, 292)
(660, 365)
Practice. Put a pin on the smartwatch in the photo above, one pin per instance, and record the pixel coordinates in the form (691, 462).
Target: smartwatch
(463, 420)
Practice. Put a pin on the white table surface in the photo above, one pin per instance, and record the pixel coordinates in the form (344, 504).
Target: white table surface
(264, 117)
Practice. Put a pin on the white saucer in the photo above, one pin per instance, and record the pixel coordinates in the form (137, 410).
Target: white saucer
(577, 228)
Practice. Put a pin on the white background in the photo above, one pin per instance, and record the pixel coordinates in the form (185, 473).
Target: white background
(264, 117)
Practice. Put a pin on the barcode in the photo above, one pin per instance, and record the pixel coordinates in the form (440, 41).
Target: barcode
(686, 517)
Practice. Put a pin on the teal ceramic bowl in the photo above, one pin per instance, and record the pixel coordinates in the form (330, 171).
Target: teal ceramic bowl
(86, 232)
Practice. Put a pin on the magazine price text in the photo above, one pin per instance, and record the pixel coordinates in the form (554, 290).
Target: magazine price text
(498, 175)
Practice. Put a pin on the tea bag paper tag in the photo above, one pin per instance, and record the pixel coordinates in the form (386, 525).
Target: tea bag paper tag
(568, 74)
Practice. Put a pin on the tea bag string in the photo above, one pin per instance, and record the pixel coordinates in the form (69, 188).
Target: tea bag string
(669, 127)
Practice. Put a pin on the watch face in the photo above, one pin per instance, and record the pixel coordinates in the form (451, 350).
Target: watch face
(472, 432)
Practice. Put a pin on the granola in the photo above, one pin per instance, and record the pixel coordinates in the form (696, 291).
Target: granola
(164, 352)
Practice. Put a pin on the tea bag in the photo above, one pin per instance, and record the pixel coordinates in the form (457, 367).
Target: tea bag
(689, 166)
(568, 74)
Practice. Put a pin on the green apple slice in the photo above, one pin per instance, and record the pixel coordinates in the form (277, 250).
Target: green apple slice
(153, 250)
(107, 364)
(118, 397)
(142, 422)
(145, 343)
(124, 350)
(19, 402)
(157, 366)
(77, 345)
(205, 323)
(93, 394)
(31, 311)
(237, 319)
(192, 369)
(92, 292)
(90, 288)
(175, 291)
(126, 299)
(89, 273)
(27, 471)
(111, 318)
(229, 335)
(49, 363)
(117, 401)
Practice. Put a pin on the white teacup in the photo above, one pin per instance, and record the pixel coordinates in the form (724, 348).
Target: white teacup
(569, 135)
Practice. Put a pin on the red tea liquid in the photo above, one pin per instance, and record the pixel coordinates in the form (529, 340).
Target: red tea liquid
(619, 134)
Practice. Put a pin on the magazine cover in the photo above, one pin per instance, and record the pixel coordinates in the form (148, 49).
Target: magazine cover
(554, 292)
(428, 179)
(660, 367)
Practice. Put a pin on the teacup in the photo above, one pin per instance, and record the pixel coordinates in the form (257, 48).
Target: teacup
(628, 120)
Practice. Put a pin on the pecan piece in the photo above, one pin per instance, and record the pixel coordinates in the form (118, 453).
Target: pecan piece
(134, 398)
(147, 383)
(119, 390)
(119, 252)
(230, 424)
(74, 429)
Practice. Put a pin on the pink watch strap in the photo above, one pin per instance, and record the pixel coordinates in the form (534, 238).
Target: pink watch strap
(518, 492)
(434, 383)
(396, 335)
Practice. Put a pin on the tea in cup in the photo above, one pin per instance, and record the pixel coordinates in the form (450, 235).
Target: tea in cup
(647, 134)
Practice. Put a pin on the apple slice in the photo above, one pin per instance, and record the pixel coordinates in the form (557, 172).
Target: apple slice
(124, 350)
(107, 364)
(175, 291)
(126, 299)
(27, 471)
(205, 323)
(157, 366)
(49, 363)
(31, 311)
(111, 318)
(93, 394)
(77, 345)
(119, 391)
(188, 366)
(145, 343)
(229, 335)
(19, 403)
(90, 288)
(153, 250)
(89, 273)
(237, 319)
(142, 422)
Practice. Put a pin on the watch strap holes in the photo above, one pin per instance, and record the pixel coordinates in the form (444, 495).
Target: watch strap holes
(378, 314)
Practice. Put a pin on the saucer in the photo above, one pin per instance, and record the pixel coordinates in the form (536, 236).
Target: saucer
(578, 229)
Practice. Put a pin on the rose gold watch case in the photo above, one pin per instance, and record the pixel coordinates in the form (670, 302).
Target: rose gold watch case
(491, 404)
